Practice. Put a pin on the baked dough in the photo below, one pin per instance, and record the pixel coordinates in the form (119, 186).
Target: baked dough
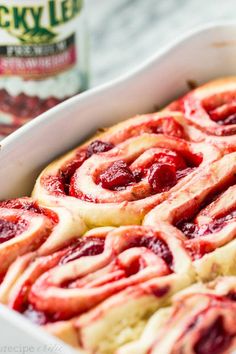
(201, 319)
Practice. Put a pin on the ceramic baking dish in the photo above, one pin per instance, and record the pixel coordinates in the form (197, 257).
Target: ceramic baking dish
(207, 53)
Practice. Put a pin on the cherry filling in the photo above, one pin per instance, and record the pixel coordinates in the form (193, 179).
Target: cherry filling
(192, 230)
(229, 120)
(90, 246)
(134, 267)
(11, 228)
(214, 340)
(87, 246)
(169, 157)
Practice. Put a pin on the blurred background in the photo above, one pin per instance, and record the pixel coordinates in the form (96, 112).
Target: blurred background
(125, 32)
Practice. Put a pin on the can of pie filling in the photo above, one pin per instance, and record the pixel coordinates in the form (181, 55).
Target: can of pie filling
(43, 57)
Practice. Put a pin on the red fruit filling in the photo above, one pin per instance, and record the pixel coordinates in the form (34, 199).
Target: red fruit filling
(232, 296)
(221, 108)
(92, 246)
(169, 157)
(214, 340)
(160, 291)
(162, 177)
(225, 115)
(2, 276)
(11, 228)
(98, 146)
(54, 184)
(87, 246)
(22, 204)
(162, 172)
(168, 126)
(228, 121)
(29, 205)
(117, 176)
(61, 184)
(191, 230)
(134, 267)
(183, 173)
(156, 245)
(67, 171)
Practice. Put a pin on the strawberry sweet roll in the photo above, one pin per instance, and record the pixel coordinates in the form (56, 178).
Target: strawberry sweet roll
(211, 108)
(25, 226)
(107, 282)
(110, 183)
(203, 215)
(201, 320)
(158, 266)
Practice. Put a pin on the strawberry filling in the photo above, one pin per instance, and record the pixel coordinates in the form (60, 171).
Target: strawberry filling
(95, 246)
(60, 184)
(89, 246)
(214, 340)
(168, 126)
(119, 267)
(29, 205)
(192, 230)
(98, 146)
(117, 176)
(157, 246)
(11, 228)
(221, 107)
(162, 177)
(162, 172)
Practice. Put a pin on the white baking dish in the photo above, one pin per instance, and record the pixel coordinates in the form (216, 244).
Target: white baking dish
(204, 54)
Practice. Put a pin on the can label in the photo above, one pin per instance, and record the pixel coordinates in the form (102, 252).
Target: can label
(38, 37)
(32, 61)
(42, 57)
